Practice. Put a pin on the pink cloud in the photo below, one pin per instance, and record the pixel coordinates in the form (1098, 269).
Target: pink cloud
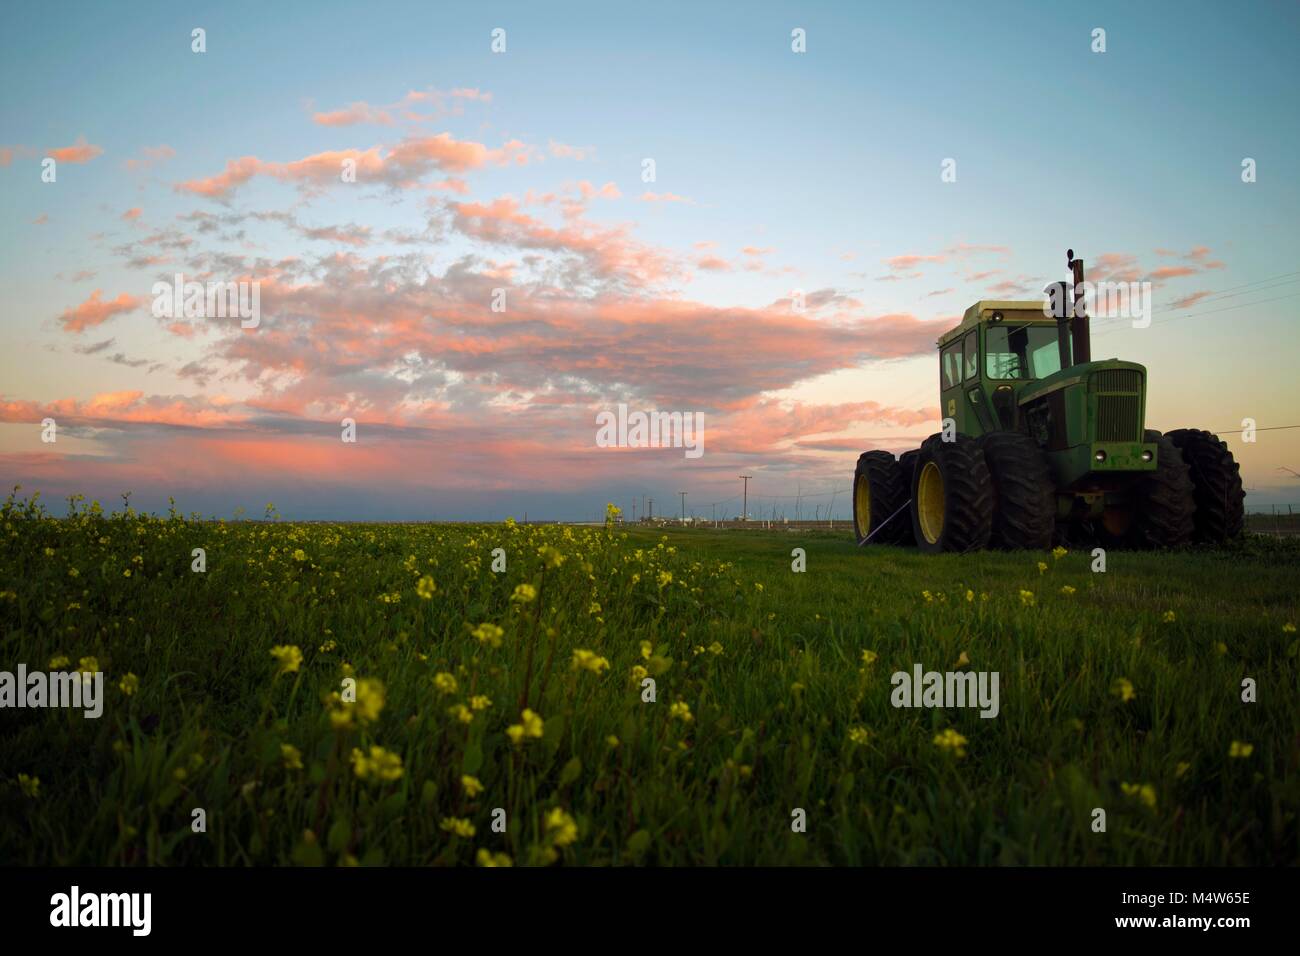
(96, 311)
(78, 152)
(151, 155)
(402, 166)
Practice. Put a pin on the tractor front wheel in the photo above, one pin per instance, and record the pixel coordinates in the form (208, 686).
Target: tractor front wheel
(877, 495)
(1216, 478)
(952, 505)
(1024, 497)
(1164, 503)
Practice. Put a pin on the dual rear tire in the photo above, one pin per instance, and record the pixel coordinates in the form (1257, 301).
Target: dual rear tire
(997, 491)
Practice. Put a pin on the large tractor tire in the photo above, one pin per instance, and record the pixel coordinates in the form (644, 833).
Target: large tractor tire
(1216, 478)
(952, 499)
(1024, 495)
(1164, 502)
(877, 494)
(907, 465)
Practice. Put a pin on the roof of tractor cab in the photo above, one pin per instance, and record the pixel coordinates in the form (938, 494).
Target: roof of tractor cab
(1020, 311)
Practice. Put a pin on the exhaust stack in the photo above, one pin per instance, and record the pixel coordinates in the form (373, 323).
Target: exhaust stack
(1082, 335)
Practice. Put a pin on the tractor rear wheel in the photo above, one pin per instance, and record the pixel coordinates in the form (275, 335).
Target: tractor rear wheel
(952, 502)
(907, 465)
(1164, 503)
(1024, 496)
(1216, 477)
(877, 495)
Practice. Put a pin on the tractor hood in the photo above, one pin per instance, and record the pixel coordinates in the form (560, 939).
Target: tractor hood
(1076, 375)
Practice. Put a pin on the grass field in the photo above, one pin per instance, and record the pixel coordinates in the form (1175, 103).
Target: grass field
(227, 691)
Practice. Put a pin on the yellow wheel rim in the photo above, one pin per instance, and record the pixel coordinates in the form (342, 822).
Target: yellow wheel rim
(862, 506)
(929, 502)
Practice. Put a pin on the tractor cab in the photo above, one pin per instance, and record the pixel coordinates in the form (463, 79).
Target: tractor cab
(1001, 370)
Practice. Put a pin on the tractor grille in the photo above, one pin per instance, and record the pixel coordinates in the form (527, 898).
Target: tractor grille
(1117, 380)
(1119, 404)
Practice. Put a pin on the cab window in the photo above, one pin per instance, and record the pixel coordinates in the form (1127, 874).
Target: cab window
(951, 364)
(971, 356)
(1024, 351)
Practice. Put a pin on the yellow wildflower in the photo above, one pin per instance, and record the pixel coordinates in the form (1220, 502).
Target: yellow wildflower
(129, 684)
(951, 741)
(459, 826)
(288, 656)
(425, 587)
(589, 661)
(1123, 689)
(291, 756)
(1144, 792)
(488, 634)
(445, 683)
(530, 726)
(561, 828)
(378, 765)
(1239, 751)
(471, 785)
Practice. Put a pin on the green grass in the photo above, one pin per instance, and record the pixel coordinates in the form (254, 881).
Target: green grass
(772, 704)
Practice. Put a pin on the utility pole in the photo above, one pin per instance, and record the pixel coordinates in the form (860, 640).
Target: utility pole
(634, 511)
(651, 513)
(744, 511)
(683, 494)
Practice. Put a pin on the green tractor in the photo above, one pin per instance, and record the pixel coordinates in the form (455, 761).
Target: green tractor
(1041, 444)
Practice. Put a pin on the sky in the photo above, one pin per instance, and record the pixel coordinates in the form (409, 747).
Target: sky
(504, 267)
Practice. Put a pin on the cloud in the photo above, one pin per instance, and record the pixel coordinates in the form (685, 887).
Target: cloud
(78, 152)
(564, 151)
(150, 156)
(909, 261)
(95, 311)
(355, 113)
(400, 167)
(132, 213)
(1189, 300)
(665, 197)
(1170, 272)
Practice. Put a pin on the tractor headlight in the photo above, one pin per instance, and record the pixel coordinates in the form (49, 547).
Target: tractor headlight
(1147, 456)
(1101, 454)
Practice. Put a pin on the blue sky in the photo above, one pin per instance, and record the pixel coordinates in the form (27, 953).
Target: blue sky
(827, 161)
